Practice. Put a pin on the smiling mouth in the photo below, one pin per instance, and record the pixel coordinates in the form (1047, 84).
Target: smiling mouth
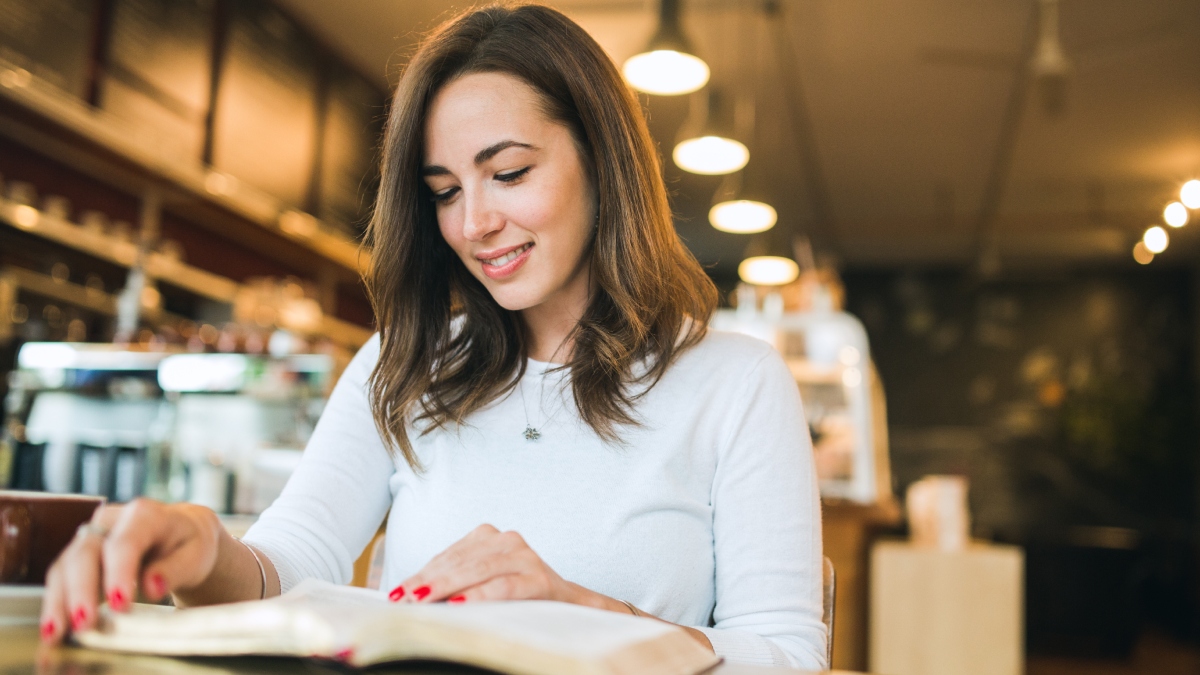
(507, 257)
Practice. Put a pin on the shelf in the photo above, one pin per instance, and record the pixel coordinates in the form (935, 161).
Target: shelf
(124, 254)
(163, 161)
(62, 291)
(14, 279)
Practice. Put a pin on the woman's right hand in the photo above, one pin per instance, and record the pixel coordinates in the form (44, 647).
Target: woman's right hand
(147, 545)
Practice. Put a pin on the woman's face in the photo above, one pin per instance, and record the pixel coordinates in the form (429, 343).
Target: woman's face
(513, 197)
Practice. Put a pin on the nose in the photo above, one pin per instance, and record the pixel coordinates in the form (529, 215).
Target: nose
(480, 220)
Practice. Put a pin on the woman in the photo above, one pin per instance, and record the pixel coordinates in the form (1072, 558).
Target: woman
(543, 413)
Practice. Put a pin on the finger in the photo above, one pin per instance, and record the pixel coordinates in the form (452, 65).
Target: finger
(53, 619)
(472, 560)
(144, 527)
(417, 587)
(81, 580)
(505, 587)
(504, 554)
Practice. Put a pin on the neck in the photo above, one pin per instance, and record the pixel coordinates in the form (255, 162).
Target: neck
(548, 334)
(549, 324)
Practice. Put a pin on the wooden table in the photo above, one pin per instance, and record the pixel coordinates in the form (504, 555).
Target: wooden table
(19, 655)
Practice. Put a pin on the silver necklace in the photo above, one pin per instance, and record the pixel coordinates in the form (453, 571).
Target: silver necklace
(531, 432)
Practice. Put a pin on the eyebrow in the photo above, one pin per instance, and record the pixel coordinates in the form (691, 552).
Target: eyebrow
(480, 157)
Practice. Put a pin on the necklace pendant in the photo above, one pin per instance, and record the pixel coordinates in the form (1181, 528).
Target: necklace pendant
(532, 434)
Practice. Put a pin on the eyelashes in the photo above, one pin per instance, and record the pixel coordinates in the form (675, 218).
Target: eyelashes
(445, 195)
(510, 177)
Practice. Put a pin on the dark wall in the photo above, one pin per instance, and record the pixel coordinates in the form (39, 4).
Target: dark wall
(1069, 399)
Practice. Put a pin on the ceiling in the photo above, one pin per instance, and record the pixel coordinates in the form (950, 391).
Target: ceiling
(906, 132)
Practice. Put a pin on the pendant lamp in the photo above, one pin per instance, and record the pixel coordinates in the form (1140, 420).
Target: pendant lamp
(667, 66)
(1189, 194)
(708, 147)
(740, 205)
(768, 260)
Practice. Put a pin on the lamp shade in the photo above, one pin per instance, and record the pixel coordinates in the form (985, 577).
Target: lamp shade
(768, 261)
(1175, 214)
(708, 146)
(742, 216)
(1156, 239)
(711, 155)
(1189, 194)
(667, 66)
(741, 205)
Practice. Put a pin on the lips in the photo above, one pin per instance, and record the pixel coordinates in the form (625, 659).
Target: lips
(504, 262)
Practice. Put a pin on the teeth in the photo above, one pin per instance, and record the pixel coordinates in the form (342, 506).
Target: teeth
(507, 257)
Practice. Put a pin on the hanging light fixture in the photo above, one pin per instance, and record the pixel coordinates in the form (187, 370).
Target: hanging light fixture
(1156, 239)
(711, 155)
(1141, 254)
(768, 261)
(1189, 194)
(1176, 214)
(667, 67)
(740, 204)
(709, 147)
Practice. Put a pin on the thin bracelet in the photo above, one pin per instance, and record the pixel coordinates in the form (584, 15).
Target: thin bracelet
(262, 571)
(632, 610)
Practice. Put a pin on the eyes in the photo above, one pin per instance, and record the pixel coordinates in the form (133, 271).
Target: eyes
(448, 194)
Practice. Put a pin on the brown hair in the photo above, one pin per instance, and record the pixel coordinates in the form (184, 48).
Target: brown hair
(652, 299)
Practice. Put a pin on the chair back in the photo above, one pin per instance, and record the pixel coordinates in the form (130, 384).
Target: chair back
(828, 596)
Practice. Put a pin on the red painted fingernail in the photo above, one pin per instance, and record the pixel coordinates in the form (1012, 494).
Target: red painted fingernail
(78, 617)
(458, 598)
(158, 585)
(345, 654)
(48, 629)
(396, 594)
(421, 592)
(117, 600)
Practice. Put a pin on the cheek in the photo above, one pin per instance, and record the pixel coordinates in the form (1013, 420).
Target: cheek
(452, 233)
(562, 212)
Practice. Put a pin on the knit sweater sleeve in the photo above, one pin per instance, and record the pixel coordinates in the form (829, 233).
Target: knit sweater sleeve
(334, 502)
(767, 527)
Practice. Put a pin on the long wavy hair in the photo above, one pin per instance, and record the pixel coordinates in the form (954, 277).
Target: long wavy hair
(446, 347)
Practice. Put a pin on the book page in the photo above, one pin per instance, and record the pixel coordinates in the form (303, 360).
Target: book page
(319, 619)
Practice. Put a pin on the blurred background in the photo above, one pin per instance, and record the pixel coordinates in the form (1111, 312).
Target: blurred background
(965, 224)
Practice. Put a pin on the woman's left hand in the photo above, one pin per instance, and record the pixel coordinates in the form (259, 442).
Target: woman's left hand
(488, 564)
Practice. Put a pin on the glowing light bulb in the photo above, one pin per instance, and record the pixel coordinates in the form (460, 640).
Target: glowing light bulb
(1189, 194)
(742, 216)
(1156, 239)
(711, 155)
(768, 270)
(666, 72)
(26, 216)
(1142, 254)
(1175, 214)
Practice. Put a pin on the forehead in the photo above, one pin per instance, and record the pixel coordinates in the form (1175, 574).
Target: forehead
(478, 109)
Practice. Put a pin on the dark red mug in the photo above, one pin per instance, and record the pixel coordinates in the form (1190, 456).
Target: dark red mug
(34, 528)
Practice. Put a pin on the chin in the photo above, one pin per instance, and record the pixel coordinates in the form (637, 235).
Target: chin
(515, 299)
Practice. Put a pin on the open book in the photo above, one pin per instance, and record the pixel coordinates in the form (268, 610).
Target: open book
(361, 627)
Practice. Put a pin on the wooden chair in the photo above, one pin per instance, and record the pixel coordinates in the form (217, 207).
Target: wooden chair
(828, 595)
(369, 566)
